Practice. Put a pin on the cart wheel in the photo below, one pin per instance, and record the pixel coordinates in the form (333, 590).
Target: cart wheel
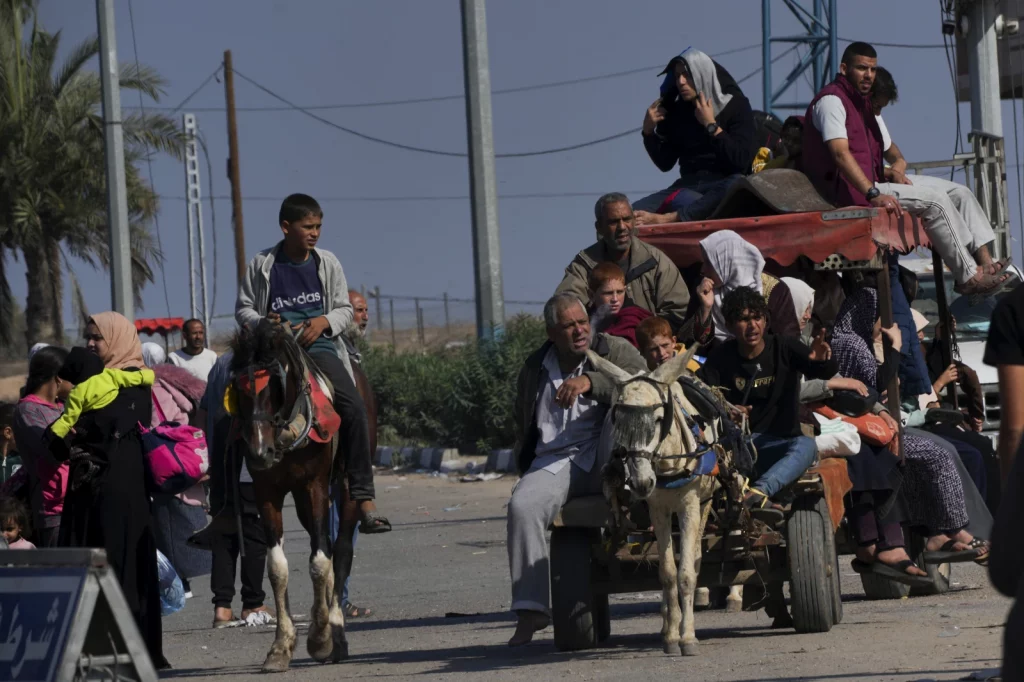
(572, 599)
(939, 574)
(602, 617)
(811, 559)
(837, 588)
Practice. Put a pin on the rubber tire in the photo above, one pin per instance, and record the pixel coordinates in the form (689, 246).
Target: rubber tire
(572, 599)
(837, 588)
(877, 587)
(940, 575)
(810, 587)
(603, 616)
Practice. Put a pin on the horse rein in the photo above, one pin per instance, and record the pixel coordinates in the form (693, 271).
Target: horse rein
(666, 426)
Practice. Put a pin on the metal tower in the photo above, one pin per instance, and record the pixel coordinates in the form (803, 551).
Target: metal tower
(821, 37)
(193, 197)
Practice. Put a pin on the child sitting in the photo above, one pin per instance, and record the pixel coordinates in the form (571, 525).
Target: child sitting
(656, 343)
(14, 523)
(611, 312)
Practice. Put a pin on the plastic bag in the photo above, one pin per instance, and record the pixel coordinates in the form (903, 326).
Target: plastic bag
(172, 592)
(838, 438)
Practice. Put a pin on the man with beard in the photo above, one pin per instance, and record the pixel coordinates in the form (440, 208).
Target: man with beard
(561, 404)
(652, 281)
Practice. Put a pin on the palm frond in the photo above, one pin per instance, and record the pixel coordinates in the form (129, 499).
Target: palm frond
(73, 64)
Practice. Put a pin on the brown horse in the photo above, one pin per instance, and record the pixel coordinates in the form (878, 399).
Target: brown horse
(273, 392)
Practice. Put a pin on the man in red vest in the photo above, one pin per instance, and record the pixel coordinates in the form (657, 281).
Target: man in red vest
(843, 157)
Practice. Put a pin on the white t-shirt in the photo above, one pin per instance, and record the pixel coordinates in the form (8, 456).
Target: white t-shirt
(198, 366)
(829, 117)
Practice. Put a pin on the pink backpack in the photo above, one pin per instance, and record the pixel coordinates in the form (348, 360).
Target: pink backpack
(176, 456)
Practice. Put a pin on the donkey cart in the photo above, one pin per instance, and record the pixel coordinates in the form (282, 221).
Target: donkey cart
(800, 548)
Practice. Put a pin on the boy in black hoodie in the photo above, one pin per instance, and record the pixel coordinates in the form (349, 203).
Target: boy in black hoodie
(703, 122)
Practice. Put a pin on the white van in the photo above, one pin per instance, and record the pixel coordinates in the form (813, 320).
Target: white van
(971, 331)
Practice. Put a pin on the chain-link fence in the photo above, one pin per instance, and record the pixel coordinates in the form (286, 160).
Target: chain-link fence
(407, 322)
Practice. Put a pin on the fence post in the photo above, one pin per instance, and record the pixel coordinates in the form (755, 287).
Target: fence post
(380, 318)
(391, 306)
(419, 322)
(447, 320)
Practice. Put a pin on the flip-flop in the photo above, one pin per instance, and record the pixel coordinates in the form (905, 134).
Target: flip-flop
(353, 611)
(947, 555)
(374, 523)
(896, 572)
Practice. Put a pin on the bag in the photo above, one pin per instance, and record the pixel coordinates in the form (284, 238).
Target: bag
(837, 439)
(172, 592)
(851, 403)
(768, 131)
(871, 427)
(176, 457)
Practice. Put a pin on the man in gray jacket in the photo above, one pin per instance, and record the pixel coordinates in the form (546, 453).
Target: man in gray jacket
(561, 404)
(653, 281)
(297, 284)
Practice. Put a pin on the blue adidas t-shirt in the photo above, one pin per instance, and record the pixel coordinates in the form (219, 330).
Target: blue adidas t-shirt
(297, 295)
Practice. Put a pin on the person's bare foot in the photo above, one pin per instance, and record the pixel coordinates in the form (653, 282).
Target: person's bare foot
(223, 617)
(936, 542)
(529, 623)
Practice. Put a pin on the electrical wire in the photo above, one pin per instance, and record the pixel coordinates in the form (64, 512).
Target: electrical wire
(149, 164)
(906, 46)
(447, 98)
(441, 152)
(195, 92)
(951, 63)
(450, 197)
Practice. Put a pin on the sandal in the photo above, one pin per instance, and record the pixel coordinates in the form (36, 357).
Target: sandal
(983, 548)
(373, 522)
(353, 611)
(947, 555)
(896, 572)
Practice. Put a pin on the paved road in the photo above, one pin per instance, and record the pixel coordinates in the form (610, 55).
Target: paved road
(439, 586)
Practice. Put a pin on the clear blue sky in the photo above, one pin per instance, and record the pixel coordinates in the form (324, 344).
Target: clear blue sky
(318, 52)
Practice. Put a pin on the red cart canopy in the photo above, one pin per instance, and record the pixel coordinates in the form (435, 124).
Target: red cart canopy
(159, 325)
(856, 233)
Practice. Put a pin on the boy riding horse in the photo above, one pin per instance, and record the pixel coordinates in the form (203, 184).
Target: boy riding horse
(297, 284)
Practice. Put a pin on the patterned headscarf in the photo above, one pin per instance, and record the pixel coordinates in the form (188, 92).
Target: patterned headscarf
(737, 263)
(123, 347)
(852, 337)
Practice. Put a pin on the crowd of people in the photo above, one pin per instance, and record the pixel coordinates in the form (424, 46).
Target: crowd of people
(78, 475)
(779, 343)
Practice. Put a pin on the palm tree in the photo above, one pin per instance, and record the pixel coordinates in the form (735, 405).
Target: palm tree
(52, 175)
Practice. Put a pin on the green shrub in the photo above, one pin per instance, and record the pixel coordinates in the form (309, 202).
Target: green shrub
(458, 397)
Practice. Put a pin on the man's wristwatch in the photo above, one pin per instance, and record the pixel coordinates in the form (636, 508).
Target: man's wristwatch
(712, 128)
(872, 193)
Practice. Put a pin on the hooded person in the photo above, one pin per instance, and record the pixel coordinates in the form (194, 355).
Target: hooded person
(703, 123)
(803, 305)
(731, 262)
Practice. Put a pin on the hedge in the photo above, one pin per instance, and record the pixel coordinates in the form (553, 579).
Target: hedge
(452, 397)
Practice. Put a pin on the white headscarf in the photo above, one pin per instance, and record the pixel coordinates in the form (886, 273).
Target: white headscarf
(705, 78)
(737, 263)
(153, 354)
(36, 348)
(803, 298)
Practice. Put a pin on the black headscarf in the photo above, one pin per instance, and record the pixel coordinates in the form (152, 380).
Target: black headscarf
(80, 365)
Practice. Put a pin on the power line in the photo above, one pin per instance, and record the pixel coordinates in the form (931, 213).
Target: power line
(907, 46)
(441, 152)
(451, 197)
(149, 164)
(447, 98)
(426, 150)
(195, 92)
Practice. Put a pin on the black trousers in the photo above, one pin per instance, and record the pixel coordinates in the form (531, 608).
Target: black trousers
(355, 428)
(225, 560)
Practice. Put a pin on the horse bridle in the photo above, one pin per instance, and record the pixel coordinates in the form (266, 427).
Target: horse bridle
(277, 420)
(667, 419)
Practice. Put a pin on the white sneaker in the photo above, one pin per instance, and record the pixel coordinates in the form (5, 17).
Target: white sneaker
(188, 595)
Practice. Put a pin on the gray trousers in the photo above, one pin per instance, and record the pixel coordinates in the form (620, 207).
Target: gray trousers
(535, 502)
(952, 217)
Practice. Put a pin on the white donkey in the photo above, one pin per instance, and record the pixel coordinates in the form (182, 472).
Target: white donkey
(654, 435)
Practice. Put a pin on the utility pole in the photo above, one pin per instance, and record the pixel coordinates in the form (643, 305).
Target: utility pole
(483, 187)
(194, 220)
(122, 299)
(233, 174)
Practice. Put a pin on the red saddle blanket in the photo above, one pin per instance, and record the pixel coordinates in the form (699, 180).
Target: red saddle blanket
(326, 421)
